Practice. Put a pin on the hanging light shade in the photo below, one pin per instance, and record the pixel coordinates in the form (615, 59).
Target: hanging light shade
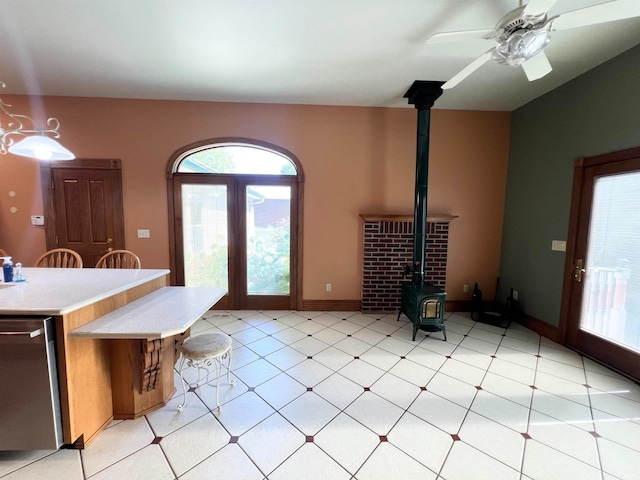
(42, 148)
(36, 142)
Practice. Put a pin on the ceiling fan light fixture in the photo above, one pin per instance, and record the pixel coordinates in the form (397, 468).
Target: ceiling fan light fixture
(521, 46)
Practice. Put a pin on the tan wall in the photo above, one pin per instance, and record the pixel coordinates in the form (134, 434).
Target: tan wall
(356, 160)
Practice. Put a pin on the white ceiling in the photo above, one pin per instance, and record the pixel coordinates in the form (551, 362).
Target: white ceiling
(327, 52)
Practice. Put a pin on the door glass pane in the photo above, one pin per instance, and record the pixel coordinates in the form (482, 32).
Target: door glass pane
(204, 230)
(611, 296)
(268, 239)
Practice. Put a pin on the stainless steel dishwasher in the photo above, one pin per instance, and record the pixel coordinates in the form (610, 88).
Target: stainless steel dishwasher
(29, 397)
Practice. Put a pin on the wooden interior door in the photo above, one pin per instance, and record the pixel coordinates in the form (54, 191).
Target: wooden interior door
(601, 298)
(83, 207)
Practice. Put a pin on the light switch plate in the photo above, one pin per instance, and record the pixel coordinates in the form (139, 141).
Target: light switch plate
(559, 245)
(144, 234)
(37, 219)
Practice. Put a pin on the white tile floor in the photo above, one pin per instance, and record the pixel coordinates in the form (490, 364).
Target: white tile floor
(341, 395)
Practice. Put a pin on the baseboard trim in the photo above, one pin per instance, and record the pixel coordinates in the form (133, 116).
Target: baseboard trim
(331, 305)
(542, 328)
(457, 306)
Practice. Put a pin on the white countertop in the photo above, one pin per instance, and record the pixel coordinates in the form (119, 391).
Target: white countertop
(163, 313)
(58, 291)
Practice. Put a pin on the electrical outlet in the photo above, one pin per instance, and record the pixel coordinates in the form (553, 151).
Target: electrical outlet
(465, 289)
(515, 295)
(144, 234)
(328, 287)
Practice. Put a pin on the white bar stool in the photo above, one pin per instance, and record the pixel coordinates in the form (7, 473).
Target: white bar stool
(203, 351)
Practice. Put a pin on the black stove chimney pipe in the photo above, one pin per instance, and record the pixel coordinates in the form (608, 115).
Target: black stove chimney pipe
(422, 94)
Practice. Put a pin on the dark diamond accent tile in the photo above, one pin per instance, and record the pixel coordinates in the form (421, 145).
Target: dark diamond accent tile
(504, 334)
(233, 439)
(367, 389)
(537, 356)
(448, 356)
(356, 358)
(309, 389)
(309, 335)
(595, 434)
(308, 319)
(424, 389)
(348, 335)
(388, 335)
(309, 439)
(455, 437)
(403, 358)
(586, 385)
(191, 389)
(156, 441)
(309, 357)
(526, 436)
(533, 387)
(261, 357)
(251, 389)
(493, 356)
(478, 387)
(465, 335)
(383, 438)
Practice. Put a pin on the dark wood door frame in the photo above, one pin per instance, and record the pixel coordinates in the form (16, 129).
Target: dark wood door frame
(175, 222)
(48, 195)
(605, 163)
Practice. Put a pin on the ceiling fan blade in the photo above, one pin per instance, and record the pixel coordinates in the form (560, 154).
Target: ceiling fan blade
(461, 36)
(537, 66)
(605, 12)
(468, 70)
(538, 7)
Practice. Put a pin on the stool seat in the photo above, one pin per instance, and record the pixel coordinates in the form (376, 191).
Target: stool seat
(201, 352)
(206, 345)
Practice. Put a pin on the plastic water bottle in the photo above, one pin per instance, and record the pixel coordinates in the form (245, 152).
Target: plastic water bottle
(18, 275)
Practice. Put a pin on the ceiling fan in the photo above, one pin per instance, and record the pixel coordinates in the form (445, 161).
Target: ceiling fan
(523, 33)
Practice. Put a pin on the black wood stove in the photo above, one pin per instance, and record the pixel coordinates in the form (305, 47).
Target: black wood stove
(420, 301)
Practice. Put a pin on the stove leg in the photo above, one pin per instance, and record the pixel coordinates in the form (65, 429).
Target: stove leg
(399, 313)
(444, 332)
(415, 330)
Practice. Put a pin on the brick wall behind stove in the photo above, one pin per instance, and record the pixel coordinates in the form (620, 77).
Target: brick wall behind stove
(388, 247)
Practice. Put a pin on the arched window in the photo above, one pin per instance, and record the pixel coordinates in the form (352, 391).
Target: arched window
(236, 159)
(235, 223)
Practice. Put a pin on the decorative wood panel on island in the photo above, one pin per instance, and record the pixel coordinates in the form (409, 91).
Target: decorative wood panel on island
(115, 335)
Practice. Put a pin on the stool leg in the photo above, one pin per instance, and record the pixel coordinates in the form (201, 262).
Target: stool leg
(184, 388)
(231, 381)
(218, 362)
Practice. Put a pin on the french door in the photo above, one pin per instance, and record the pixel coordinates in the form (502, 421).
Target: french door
(602, 295)
(238, 232)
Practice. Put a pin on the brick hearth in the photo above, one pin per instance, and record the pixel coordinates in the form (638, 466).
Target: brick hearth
(388, 247)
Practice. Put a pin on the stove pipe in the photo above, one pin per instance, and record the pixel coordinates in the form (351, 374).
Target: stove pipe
(421, 94)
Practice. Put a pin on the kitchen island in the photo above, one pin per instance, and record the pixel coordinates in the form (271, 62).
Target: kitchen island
(116, 333)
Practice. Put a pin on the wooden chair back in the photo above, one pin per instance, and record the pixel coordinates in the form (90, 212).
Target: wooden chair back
(3, 253)
(119, 259)
(60, 258)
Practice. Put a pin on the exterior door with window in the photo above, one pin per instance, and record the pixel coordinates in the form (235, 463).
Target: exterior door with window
(602, 298)
(236, 227)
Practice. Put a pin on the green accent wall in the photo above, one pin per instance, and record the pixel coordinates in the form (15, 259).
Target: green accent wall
(596, 113)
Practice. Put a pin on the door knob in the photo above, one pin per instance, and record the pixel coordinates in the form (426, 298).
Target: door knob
(109, 240)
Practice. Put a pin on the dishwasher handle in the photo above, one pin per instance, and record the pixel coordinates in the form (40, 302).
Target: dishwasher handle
(32, 334)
